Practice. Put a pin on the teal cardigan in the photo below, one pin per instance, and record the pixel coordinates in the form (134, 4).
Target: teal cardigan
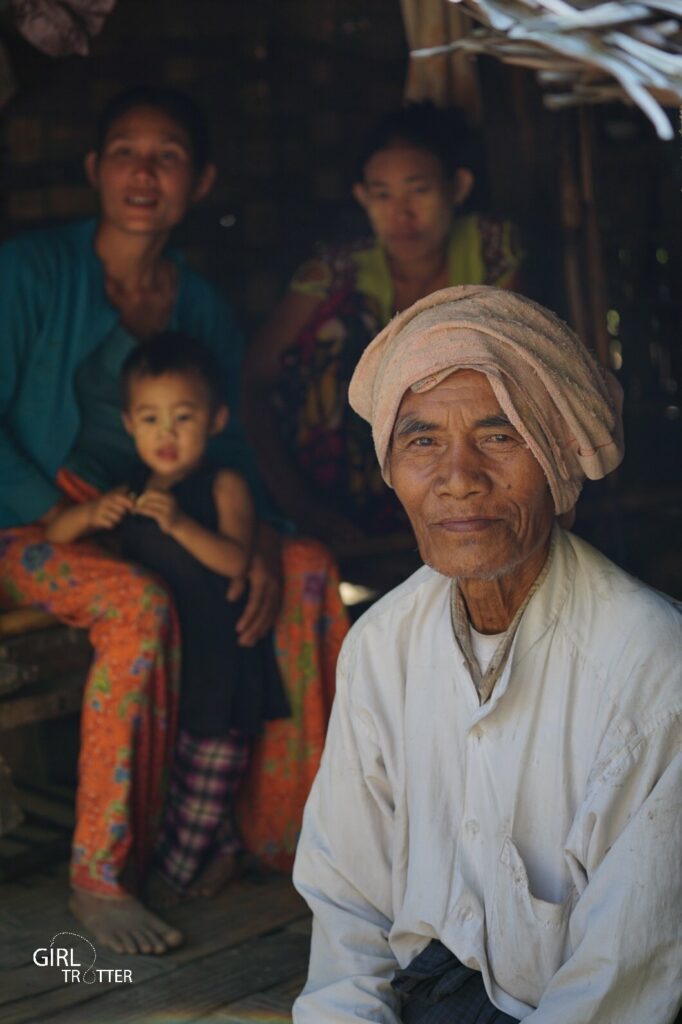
(54, 312)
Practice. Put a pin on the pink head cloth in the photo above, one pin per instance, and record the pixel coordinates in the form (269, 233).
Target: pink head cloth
(566, 408)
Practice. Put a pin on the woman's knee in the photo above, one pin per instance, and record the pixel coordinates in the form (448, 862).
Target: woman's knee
(139, 599)
(307, 555)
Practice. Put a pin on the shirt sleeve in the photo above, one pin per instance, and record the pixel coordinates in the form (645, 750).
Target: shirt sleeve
(625, 929)
(315, 277)
(26, 491)
(343, 871)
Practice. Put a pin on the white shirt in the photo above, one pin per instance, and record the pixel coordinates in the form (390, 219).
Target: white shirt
(484, 646)
(537, 836)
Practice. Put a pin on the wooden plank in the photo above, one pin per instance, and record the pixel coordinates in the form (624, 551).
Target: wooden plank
(271, 1007)
(33, 911)
(259, 1009)
(188, 993)
(31, 833)
(15, 863)
(38, 701)
(25, 620)
(35, 803)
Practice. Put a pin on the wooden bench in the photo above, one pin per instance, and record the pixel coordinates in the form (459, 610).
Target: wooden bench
(43, 665)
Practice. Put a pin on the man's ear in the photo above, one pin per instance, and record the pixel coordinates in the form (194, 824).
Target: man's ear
(204, 183)
(462, 184)
(220, 419)
(127, 422)
(360, 194)
(90, 164)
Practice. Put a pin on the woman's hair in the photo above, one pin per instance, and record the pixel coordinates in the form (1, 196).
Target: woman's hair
(184, 110)
(441, 132)
(172, 352)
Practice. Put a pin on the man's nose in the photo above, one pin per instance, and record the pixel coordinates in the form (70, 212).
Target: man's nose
(460, 472)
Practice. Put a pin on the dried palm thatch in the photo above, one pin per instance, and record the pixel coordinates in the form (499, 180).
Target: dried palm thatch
(585, 51)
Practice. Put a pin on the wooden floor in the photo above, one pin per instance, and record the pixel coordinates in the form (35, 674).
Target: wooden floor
(244, 959)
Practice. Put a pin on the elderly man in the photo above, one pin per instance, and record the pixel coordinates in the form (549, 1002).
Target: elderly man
(494, 833)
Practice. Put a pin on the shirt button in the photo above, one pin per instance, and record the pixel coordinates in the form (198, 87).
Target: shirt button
(476, 733)
(472, 826)
(465, 914)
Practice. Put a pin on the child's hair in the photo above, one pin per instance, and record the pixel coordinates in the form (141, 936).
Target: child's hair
(424, 126)
(180, 107)
(172, 352)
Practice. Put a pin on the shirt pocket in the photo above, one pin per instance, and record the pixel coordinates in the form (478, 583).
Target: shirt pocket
(528, 937)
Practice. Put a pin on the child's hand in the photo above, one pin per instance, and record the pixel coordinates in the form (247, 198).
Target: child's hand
(162, 507)
(108, 511)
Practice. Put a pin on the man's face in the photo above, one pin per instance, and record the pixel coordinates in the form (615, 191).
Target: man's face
(477, 498)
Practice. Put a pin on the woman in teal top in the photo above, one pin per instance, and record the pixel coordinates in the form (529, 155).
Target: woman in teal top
(74, 300)
(63, 343)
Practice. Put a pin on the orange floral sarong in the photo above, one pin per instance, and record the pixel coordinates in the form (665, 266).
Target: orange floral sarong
(130, 705)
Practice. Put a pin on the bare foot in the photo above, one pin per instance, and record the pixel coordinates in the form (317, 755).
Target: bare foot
(159, 894)
(215, 876)
(124, 925)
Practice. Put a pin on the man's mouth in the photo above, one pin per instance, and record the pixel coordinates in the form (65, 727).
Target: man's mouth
(168, 454)
(470, 524)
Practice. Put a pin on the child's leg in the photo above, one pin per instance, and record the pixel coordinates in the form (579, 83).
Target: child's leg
(206, 775)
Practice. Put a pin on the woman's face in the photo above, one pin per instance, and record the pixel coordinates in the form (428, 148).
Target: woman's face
(145, 173)
(409, 200)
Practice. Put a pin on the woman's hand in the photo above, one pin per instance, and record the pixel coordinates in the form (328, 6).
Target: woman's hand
(265, 580)
(162, 508)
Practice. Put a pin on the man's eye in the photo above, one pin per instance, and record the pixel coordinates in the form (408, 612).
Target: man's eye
(502, 440)
(421, 442)
(170, 156)
(120, 151)
(149, 419)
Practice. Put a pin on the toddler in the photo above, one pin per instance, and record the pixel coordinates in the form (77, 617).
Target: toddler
(192, 524)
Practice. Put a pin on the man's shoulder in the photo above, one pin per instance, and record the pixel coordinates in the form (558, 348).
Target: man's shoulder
(633, 602)
(392, 620)
(625, 628)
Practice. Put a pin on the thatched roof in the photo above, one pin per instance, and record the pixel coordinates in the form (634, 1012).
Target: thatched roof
(584, 51)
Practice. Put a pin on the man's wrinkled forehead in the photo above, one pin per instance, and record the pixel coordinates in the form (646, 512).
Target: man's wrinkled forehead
(409, 421)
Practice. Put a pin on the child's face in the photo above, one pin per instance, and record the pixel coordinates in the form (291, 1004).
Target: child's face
(171, 419)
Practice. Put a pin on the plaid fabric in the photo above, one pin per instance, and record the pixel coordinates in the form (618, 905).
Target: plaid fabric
(438, 989)
(199, 820)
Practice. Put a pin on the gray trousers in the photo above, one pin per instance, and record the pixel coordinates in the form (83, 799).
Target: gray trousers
(438, 989)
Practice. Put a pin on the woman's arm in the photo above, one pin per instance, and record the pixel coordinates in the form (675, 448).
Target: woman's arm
(261, 369)
(226, 552)
(27, 492)
(293, 492)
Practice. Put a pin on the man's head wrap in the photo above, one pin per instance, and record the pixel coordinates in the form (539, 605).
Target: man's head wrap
(566, 408)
